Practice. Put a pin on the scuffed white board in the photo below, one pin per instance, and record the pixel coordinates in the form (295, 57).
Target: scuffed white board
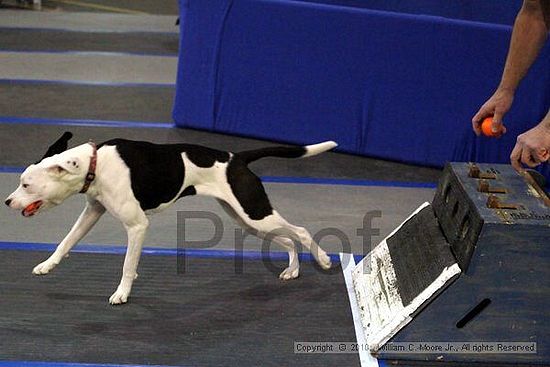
(381, 309)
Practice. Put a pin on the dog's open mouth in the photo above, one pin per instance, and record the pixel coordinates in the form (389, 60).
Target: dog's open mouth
(31, 209)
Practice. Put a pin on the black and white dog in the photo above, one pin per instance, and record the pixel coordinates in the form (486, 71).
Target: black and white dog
(132, 179)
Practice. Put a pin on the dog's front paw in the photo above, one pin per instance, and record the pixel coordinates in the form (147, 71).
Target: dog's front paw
(120, 296)
(290, 273)
(44, 267)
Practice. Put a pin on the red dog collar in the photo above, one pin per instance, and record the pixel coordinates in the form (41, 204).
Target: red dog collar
(90, 176)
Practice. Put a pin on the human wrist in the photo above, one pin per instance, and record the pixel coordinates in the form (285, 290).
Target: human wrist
(506, 88)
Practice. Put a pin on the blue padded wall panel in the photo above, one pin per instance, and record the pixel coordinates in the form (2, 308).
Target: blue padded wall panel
(395, 86)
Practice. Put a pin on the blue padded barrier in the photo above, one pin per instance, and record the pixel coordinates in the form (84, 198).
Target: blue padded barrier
(390, 85)
(486, 11)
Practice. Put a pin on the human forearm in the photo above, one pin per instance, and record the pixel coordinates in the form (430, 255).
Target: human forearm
(530, 32)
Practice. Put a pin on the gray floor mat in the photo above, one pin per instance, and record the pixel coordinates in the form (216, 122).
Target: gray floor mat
(45, 100)
(89, 67)
(316, 207)
(208, 316)
(90, 22)
(57, 41)
(150, 7)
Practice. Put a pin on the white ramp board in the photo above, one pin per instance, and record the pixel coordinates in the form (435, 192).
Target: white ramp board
(401, 275)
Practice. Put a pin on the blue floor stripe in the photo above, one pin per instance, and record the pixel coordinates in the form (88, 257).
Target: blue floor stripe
(91, 30)
(154, 251)
(68, 364)
(87, 83)
(8, 169)
(347, 182)
(89, 123)
(307, 180)
(89, 53)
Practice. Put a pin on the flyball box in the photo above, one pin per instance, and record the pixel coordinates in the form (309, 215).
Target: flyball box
(472, 267)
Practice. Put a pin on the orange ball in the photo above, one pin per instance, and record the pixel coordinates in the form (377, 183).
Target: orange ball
(486, 127)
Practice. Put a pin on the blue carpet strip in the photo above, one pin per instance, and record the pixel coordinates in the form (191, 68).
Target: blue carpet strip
(156, 251)
(89, 123)
(86, 82)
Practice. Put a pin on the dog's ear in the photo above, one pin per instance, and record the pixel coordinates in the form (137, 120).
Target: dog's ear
(59, 146)
(64, 167)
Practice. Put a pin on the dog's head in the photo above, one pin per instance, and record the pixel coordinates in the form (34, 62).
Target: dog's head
(50, 181)
(47, 184)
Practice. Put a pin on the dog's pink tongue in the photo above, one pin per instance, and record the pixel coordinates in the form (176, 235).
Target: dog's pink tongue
(31, 209)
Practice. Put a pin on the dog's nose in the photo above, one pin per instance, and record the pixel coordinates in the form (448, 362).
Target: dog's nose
(8, 202)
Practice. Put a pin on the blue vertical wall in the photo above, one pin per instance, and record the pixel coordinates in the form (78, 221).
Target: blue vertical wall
(391, 85)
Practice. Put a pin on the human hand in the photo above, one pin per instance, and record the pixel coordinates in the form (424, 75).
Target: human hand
(496, 106)
(532, 147)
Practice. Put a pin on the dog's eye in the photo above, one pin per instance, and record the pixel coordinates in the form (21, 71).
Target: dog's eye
(25, 186)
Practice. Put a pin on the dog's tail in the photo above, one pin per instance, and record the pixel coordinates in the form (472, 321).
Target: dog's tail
(286, 152)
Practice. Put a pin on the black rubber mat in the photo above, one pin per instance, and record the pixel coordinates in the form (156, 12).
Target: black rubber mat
(57, 41)
(427, 254)
(207, 316)
(70, 101)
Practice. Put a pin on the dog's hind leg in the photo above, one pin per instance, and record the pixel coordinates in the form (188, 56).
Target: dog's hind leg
(293, 269)
(233, 214)
(274, 227)
(292, 232)
(91, 214)
(246, 196)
